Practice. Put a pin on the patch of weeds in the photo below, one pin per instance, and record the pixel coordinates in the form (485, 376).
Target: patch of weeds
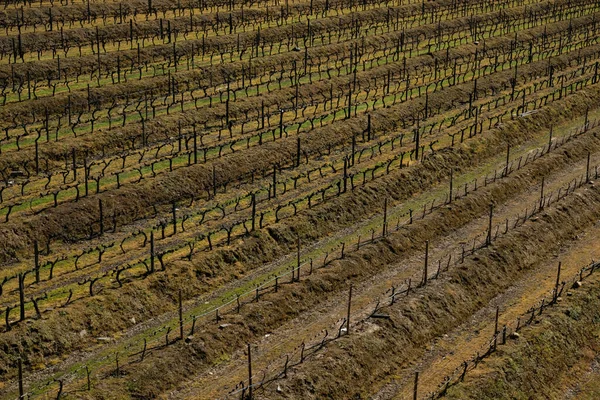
(574, 312)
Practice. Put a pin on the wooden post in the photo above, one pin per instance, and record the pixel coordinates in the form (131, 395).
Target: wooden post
(451, 183)
(489, 234)
(253, 211)
(274, 181)
(587, 168)
(385, 202)
(496, 328)
(417, 144)
(426, 262)
(348, 313)
(542, 194)
(21, 296)
(151, 251)
(21, 391)
(298, 149)
(85, 176)
(74, 162)
(36, 261)
(353, 148)
(7, 318)
(249, 373)
(557, 281)
(345, 181)
(416, 386)
(507, 159)
(89, 382)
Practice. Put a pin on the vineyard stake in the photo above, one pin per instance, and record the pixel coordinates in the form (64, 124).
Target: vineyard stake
(36, 256)
(249, 373)
(587, 169)
(451, 183)
(21, 296)
(416, 145)
(253, 211)
(151, 251)
(416, 386)
(20, 366)
(542, 194)
(73, 157)
(180, 316)
(345, 180)
(144, 350)
(426, 262)
(496, 328)
(89, 382)
(385, 203)
(557, 281)
(274, 181)
(489, 234)
(6, 318)
(507, 159)
(348, 314)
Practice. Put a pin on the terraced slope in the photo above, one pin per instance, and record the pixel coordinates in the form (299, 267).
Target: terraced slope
(184, 182)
